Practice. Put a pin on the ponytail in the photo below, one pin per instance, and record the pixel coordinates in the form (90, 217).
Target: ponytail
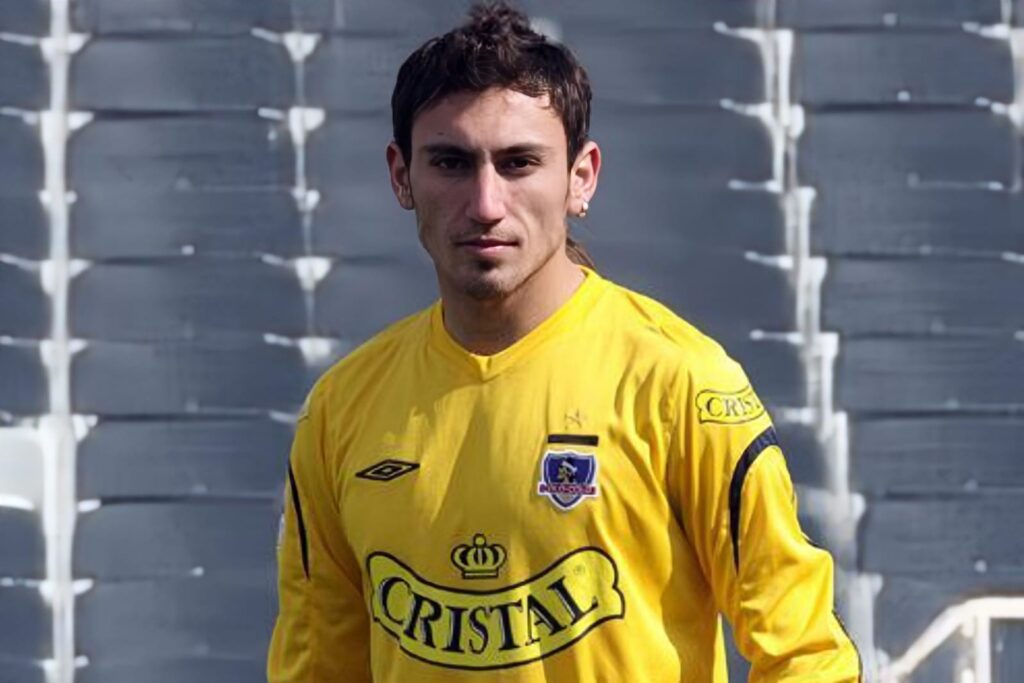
(578, 254)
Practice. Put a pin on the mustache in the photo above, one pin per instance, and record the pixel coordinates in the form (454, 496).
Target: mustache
(488, 237)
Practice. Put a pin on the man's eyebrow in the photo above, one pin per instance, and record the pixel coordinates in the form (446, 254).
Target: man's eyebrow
(444, 148)
(527, 148)
(448, 148)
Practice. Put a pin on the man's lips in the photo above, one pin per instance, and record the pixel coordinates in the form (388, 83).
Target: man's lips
(485, 243)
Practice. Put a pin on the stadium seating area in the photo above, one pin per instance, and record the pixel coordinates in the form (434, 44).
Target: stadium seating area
(227, 202)
(919, 212)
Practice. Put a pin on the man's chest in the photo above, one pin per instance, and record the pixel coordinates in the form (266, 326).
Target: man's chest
(497, 524)
(539, 470)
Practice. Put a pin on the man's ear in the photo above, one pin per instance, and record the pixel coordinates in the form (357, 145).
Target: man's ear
(399, 174)
(583, 178)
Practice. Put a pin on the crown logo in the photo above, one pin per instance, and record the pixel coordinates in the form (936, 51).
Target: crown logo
(480, 560)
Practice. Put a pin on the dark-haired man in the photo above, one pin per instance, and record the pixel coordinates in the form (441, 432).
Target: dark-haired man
(543, 476)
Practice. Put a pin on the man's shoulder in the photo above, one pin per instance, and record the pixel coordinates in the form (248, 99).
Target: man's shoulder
(661, 329)
(700, 367)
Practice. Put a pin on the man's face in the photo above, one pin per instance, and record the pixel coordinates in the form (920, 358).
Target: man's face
(489, 182)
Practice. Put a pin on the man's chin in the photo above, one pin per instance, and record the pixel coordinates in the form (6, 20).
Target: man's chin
(487, 289)
(487, 284)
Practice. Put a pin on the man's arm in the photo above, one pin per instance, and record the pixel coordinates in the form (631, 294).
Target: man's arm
(739, 511)
(322, 632)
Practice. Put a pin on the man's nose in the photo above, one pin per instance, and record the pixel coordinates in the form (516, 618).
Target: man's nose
(487, 201)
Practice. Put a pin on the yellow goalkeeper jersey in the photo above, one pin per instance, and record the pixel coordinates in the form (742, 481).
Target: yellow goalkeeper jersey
(581, 506)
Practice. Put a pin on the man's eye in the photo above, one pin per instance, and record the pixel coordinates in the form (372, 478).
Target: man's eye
(449, 163)
(519, 163)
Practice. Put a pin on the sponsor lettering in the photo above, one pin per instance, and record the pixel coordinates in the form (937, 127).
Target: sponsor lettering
(500, 628)
(723, 407)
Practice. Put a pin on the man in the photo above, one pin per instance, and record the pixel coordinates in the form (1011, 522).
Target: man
(543, 476)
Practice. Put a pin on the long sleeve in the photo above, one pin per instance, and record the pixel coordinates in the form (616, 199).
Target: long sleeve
(322, 629)
(738, 509)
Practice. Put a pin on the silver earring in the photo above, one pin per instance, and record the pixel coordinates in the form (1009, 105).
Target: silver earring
(583, 211)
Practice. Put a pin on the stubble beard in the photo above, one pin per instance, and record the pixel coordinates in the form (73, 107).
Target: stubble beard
(512, 278)
(481, 288)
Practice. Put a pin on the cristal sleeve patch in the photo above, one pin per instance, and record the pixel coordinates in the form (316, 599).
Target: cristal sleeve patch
(729, 407)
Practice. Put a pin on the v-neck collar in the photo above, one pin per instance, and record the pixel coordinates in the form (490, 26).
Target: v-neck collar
(484, 368)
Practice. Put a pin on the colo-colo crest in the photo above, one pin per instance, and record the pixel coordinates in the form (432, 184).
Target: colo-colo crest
(567, 477)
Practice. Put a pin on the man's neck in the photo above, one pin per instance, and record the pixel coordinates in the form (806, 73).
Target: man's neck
(490, 326)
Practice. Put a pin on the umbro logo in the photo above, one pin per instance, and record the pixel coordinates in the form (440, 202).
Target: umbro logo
(386, 470)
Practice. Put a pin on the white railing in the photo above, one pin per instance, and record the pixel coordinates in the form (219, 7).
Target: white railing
(974, 620)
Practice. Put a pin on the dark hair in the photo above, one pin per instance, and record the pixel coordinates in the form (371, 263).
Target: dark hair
(495, 48)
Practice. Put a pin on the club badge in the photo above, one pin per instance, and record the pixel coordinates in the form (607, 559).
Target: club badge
(567, 477)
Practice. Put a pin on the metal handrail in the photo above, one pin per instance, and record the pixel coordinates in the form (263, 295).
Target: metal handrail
(973, 616)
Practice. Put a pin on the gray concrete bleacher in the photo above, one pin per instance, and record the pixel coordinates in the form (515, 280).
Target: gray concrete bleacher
(25, 17)
(935, 295)
(130, 625)
(674, 66)
(916, 202)
(870, 14)
(860, 68)
(711, 288)
(26, 307)
(364, 295)
(181, 153)
(177, 458)
(404, 17)
(164, 224)
(889, 147)
(179, 16)
(685, 218)
(25, 621)
(951, 455)
(192, 75)
(172, 378)
(182, 190)
(377, 17)
(25, 618)
(345, 157)
(930, 373)
(340, 220)
(22, 529)
(189, 520)
(25, 233)
(24, 76)
(23, 672)
(717, 145)
(893, 221)
(24, 86)
(356, 73)
(22, 171)
(194, 298)
(24, 389)
(171, 538)
(612, 17)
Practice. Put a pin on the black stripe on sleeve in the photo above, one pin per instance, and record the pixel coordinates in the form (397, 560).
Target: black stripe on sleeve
(757, 446)
(303, 542)
(576, 439)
